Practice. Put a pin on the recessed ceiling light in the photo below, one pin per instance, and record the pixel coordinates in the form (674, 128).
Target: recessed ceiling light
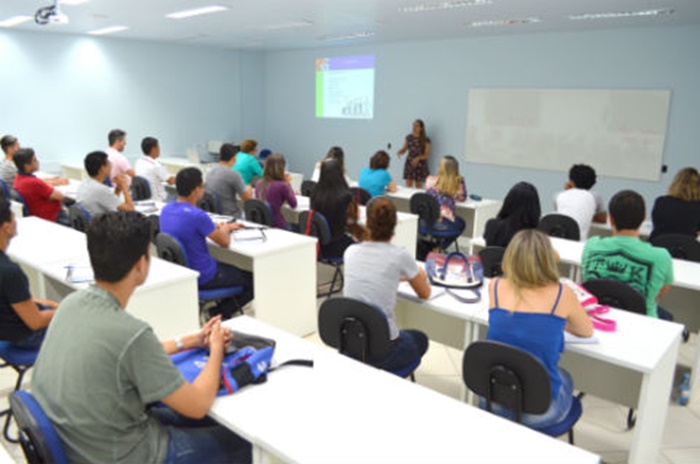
(504, 22)
(622, 14)
(15, 20)
(442, 5)
(355, 35)
(196, 12)
(73, 2)
(108, 30)
(287, 25)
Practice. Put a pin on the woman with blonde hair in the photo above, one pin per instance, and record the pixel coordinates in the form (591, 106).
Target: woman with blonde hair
(531, 309)
(275, 188)
(247, 164)
(448, 188)
(678, 212)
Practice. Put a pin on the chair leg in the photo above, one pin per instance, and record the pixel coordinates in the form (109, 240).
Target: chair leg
(413, 377)
(631, 419)
(571, 436)
(6, 428)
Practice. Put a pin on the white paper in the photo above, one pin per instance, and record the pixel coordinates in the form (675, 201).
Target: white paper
(570, 338)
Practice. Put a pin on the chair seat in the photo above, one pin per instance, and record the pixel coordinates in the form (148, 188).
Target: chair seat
(18, 356)
(332, 259)
(567, 423)
(408, 369)
(219, 293)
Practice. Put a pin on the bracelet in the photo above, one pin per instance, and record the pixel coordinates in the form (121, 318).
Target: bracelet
(178, 344)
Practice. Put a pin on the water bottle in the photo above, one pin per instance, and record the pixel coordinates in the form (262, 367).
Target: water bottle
(684, 390)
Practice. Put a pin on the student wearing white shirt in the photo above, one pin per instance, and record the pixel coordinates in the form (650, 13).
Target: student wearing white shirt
(120, 165)
(576, 201)
(150, 168)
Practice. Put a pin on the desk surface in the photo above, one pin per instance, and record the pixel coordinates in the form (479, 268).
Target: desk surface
(343, 411)
(406, 193)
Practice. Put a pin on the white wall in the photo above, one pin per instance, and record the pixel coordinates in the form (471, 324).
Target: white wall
(430, 80)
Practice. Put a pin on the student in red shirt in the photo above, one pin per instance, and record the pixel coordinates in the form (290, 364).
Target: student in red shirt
(42, 200)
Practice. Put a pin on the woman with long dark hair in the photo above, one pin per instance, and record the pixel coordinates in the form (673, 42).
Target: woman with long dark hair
(417, 144)
(520, 210)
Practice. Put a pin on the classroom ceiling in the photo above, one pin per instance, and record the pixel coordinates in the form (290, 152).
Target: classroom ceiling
(285, 24)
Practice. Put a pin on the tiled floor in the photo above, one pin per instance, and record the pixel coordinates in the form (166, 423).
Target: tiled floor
(600, 430)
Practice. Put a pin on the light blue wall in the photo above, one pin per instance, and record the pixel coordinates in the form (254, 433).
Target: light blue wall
(430, 80)
(61, 94)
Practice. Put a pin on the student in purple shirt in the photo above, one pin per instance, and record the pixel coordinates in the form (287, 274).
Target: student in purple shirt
(275, 188)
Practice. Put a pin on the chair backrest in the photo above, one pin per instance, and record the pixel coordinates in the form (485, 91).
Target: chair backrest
(360, 195)
(507, 375)
(15, 195)
(617, 294)
(79, 217)
(318, 227)
(210, 203)
(426, 207)
(307, 186)
(170, 249)
(680, 246)
(491, 258)
(258, 211)
(40, 441)
(359, 330)
(561, 226)
(140, 188)
(154, 219)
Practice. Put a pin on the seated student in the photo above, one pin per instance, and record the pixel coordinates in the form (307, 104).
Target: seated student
(373, 270)
(101, 370)
(332, 198)
(43, 200)
(94, 195)
(247, 164)
(275, 188)
(624, 257)
(8, 169)
(192, 226)
(530, 309)
(678, 212)
(520, 210)
(228, 184)
(577, 201)
(334, 153)
(150, 168)
(376, 179)
(23, 319)
(448, 188)
(119, 163)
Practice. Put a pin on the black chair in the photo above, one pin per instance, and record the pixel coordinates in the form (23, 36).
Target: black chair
(15, 195)
(358, 330)
(307, 186)
(314, 224)
(170, 249)
(154, 219)
(39, 439)
(360, 195)
(4, 190)
(514, 379)
(210, 203)
(258, 211)
(79, 217)
(561, 226)
(680, 246)
(140, 188)
(621, 296)
(430, 230)
(21, 360)
(491, 258)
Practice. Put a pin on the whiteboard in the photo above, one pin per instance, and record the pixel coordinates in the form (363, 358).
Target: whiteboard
(620, 133)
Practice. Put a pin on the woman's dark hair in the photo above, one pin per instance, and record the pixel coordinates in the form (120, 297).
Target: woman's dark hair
(339, 154)
(379, 160)
(274, 170)
(381, 219)
(331, 184)
(423, 137)
(522, 206)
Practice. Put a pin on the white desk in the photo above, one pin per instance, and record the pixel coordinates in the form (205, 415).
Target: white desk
(167, 300)
(405, 233)
(341, 411)
(174, 164)
(605, 230)
(71, 189)
(474, 213)
(74, 171)
(633, 366)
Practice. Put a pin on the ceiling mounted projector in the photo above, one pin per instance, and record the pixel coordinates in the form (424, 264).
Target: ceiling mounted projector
(50, 15)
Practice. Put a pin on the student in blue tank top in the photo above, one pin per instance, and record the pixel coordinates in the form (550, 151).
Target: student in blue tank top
(530, 309)
(376, 179)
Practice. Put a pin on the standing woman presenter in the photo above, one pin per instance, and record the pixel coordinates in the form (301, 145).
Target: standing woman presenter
(418, 146)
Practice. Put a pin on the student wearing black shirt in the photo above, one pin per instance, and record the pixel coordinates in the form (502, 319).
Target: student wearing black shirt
(520, 210)
(679, 211)
(23, 319)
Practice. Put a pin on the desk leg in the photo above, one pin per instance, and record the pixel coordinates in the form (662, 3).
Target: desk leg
(653, 408)
(695, 369)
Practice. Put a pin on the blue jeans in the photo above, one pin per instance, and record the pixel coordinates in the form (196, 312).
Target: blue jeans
(663, 314)
(205, 441)
(408, 348)
(229, 276)
(558, 409)
(34, 339)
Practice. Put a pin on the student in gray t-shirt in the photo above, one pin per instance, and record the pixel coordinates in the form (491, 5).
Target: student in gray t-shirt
(94, 195)
(373, 270)
(100, 369)
(226, 183)
(8, 170)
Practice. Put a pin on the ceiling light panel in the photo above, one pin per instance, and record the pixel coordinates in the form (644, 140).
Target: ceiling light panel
(424, 7)
(73, 2)
(622, 14)
(355, 35)
(108, 30)
(196, 12)
(15, 20)
(504, 22)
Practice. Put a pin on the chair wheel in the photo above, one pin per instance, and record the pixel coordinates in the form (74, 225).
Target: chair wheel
(686, 335)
